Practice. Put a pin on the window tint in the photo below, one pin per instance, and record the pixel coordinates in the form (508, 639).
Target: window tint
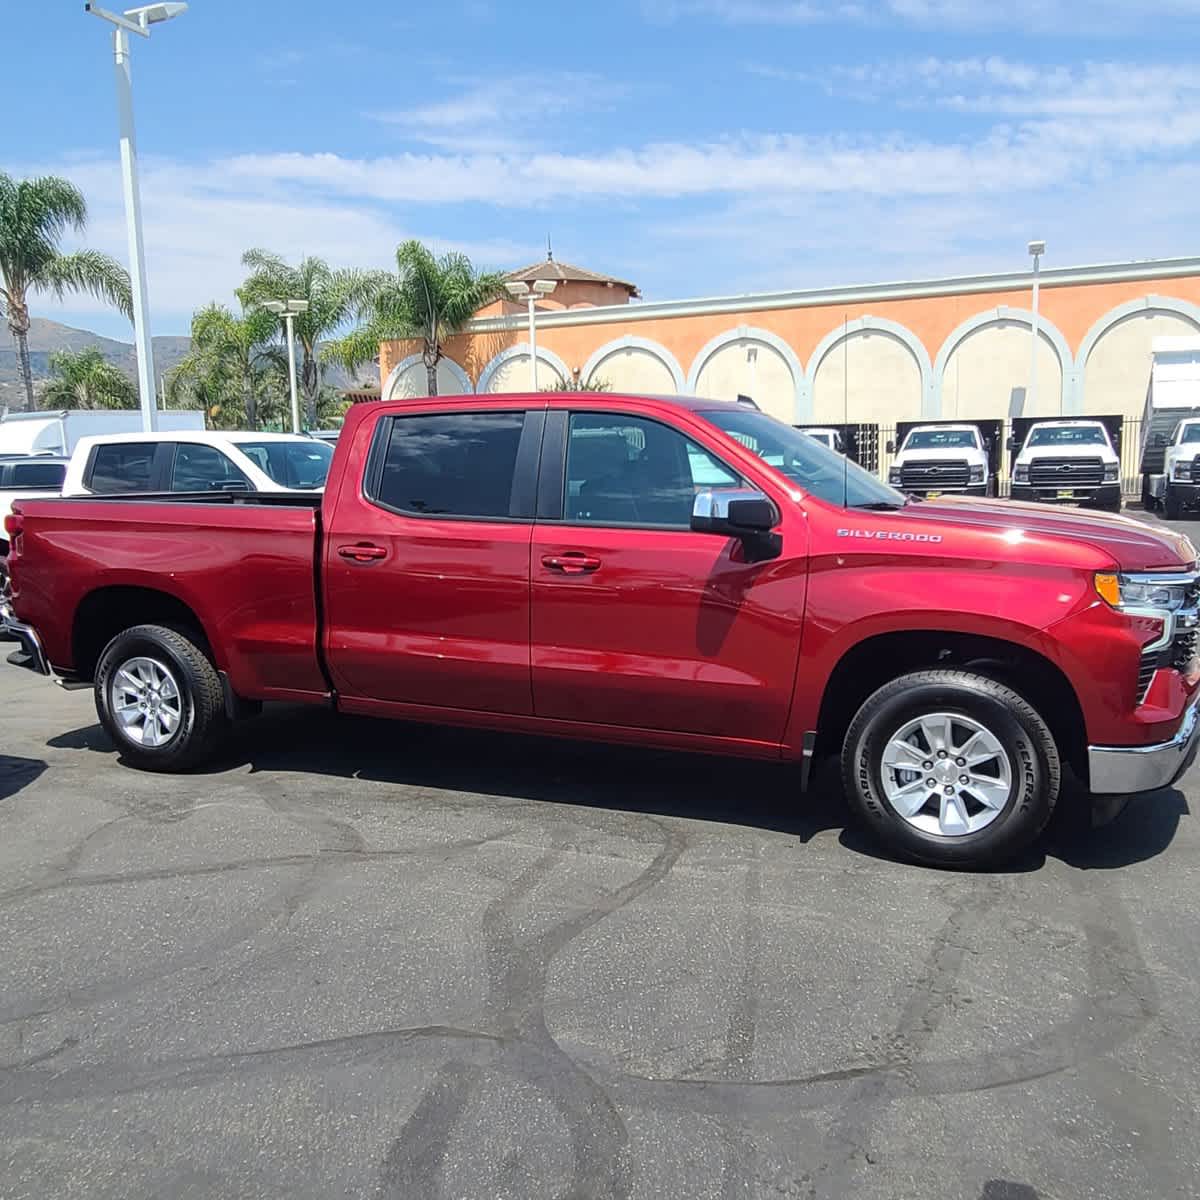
(629, 471)
(452, 464)
(36, 475)
(200, 468)
(291, 464)
(124, 467)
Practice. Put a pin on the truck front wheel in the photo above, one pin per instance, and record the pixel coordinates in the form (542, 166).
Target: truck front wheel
(159, 697)
(951, 768)
(1172, 508)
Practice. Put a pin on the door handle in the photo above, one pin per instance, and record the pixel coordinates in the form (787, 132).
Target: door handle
(362, 553)
(571, 563)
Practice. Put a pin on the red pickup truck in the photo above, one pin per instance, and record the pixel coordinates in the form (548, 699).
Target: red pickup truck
(677, 573)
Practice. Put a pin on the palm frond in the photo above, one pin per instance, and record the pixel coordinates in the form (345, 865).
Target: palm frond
(87, 271)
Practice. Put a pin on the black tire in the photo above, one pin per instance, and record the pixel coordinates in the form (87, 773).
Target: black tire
(1147, 496)
(201, 723)
(1172, 509)
(1008, 716)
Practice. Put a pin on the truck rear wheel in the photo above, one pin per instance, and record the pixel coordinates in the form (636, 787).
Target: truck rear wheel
(951, 768)
(159, 697)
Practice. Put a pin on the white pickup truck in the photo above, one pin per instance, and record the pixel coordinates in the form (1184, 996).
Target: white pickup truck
(828, 437)
(937, 460)
(1067, 462)
(197, 462)
(1181, 470)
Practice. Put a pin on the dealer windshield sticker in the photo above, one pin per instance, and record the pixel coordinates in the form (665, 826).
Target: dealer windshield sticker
(889, 535)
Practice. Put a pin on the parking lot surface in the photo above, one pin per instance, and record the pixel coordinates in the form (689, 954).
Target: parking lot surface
(363, 959)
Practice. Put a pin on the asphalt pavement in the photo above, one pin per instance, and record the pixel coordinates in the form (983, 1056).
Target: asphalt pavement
(371, 960)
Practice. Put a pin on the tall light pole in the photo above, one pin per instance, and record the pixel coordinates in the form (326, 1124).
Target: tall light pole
(135, 20)
(539, 287)
(1036, 250)
(287, 309)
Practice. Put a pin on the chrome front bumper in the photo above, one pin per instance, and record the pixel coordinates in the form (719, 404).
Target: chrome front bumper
(1126, 770)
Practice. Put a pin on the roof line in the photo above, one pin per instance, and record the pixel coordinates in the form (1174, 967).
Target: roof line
(1146, 269)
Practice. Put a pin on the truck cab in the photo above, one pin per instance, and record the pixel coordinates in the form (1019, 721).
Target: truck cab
(828, 437)
(936, 460)
(1068, 462)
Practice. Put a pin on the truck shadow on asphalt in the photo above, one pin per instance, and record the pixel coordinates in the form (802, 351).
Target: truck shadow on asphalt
(741, 792)
(17, 773)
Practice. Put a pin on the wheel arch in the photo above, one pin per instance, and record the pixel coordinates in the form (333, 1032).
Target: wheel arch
(107, 611)
(875, 660)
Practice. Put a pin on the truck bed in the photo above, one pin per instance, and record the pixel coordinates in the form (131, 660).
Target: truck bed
(244, 566)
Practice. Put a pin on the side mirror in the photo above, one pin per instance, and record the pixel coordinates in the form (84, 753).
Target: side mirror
(745, 514)
(1160, 439)
(891, 447)
(1013, 445)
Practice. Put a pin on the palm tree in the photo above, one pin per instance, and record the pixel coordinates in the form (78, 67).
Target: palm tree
(240, 350)
(34, 215)
(428, 298)
(333, 298)
(87, 380)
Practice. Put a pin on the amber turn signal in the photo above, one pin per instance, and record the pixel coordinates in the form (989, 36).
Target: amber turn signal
(1108, 587)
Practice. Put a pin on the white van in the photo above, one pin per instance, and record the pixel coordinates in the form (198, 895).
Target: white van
(197, 462)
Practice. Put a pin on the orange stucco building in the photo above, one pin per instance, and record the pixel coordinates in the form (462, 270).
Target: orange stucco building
(880, 353)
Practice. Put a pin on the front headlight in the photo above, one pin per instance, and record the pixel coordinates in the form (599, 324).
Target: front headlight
(893, 475)
(1182, 470)
(1021, 474)
(976, 475)
(1112, 472)
(1166, 593)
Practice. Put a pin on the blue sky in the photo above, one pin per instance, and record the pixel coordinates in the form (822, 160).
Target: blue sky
(697, 147)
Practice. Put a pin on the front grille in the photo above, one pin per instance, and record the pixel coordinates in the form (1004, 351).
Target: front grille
(1066, 472)
(934, 475)
(1196, 469)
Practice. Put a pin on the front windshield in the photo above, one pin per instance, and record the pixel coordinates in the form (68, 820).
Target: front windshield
(941, 439)
(803, 460)
(1068, 435)
(1191, 433)
(300, 464)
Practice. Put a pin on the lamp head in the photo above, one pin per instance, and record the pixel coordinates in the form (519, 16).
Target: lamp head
(297, 306)
(517, 290)
(154, 14)
(1037, 248)
(275, 306)
(543, 287)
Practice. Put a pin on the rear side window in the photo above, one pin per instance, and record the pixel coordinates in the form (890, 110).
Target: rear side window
(451, 464)
(37, 475)
(122, 467)
(200, 468)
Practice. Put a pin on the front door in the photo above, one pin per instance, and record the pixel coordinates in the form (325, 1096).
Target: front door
(637, 620)
(427, 565)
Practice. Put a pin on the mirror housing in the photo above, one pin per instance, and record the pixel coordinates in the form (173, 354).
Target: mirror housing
(1013, 445)
(1160, 439)
(890, 447)
(746, 514)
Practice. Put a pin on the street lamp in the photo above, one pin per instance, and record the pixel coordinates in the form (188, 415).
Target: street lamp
(287, 309)
(539, 287)
(1036, 250)
(135, 20)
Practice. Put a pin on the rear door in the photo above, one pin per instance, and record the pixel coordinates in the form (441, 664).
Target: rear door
(115, 468)
(427, 562)
(639, 621)
(198, 467)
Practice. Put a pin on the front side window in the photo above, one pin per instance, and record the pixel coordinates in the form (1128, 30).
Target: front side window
(624, 470)
(122, 467)
(941, 439)
(451, 464)
(1191, 433)
(200, 468)
(1068, 435)
(302, 465)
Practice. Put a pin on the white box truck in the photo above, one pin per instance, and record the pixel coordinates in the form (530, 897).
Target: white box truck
(58, 431)
(1172, 399)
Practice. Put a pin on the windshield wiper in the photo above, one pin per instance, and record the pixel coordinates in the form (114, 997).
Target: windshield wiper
(880, 505)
